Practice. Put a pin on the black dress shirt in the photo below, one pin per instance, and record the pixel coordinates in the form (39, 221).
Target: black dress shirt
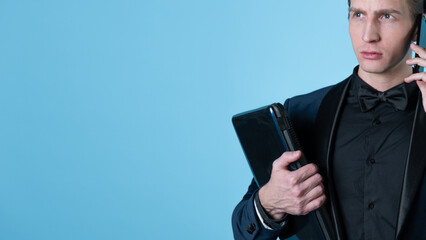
(369, 158)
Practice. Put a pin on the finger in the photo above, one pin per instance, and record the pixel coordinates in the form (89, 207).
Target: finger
(419, 50)
(416, 76)
(422, 87)
(305, 172)
(416, 61)
(301, 190)
(309, 184)
(315, 204)
(299, 176)
(315, 192)
(285, 160)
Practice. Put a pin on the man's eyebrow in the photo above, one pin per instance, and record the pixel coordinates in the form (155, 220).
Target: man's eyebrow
(389, 10)
(380, 12)
(352, 9)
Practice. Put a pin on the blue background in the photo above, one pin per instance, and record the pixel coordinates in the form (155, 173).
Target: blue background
(115, 116)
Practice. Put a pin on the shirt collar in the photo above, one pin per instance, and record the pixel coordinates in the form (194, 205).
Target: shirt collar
(357, 82)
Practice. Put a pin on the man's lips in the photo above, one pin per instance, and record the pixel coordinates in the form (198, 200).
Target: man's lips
(371, 55)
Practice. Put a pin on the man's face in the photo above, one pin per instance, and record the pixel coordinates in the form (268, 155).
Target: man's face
(380, 31)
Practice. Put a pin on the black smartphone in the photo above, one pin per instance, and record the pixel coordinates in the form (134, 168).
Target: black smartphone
(421, 38)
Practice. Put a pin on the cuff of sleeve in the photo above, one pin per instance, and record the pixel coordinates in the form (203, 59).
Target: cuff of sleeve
(266, 221)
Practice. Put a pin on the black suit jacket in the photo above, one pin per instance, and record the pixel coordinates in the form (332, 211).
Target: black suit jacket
(315, 116)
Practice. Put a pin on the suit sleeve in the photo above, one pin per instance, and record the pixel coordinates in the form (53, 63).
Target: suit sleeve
(245, 223)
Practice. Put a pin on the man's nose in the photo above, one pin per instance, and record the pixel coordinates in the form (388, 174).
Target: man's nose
(371, 32)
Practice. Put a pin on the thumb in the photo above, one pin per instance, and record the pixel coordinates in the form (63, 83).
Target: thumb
(422, 87)
(285, 160)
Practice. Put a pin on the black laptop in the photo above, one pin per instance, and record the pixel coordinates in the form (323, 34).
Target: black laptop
(265, 134)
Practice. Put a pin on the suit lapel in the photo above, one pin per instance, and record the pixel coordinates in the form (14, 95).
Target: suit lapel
(415, 166)
(327, 117)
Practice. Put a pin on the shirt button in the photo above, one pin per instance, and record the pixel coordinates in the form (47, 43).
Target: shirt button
(372, 161)
(371, 206)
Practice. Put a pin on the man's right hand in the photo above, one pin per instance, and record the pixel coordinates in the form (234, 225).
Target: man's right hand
(292, 192)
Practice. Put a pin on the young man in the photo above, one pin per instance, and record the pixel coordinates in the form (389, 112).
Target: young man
(366, 134)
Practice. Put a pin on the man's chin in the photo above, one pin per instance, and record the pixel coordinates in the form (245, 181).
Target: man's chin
(373, 67)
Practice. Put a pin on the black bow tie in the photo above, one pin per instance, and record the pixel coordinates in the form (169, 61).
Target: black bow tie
(368, 98)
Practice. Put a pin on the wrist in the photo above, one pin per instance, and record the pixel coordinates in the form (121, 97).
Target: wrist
(270, 222)
(271, 212)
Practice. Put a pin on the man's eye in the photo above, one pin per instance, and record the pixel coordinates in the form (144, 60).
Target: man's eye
(387, 16)
(358, 15)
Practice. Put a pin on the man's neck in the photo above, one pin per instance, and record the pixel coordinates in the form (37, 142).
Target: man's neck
(385, 81)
